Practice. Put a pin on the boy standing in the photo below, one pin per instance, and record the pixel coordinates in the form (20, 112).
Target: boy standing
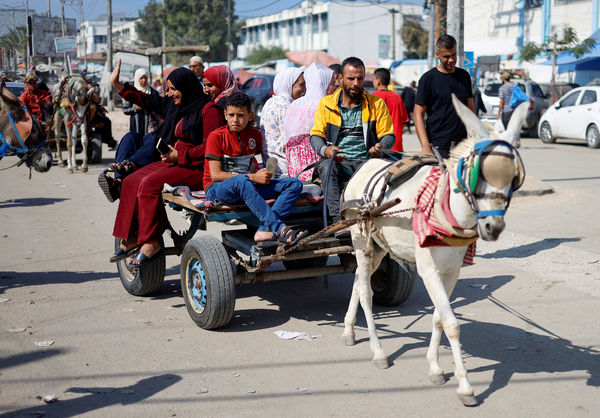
(395, 105)
(230, 175)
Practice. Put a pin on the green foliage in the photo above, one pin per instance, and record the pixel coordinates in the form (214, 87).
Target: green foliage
(415, 37)
(15, 39)
(261, 55)
(569, 41)
(188, 22)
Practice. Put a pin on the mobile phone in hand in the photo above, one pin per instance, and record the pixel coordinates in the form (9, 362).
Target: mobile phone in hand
(162, 147)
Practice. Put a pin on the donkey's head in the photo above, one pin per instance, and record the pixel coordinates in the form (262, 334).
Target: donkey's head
(22, 132)
(79, 95)
(489, 169)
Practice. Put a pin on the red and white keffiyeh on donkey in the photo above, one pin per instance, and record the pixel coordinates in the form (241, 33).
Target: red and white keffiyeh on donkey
(480, 177)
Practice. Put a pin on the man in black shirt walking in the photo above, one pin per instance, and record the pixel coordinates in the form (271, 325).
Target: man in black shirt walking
(434, 98)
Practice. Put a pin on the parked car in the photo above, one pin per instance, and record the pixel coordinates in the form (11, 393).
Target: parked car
(260, 89)
(576, 115)
(537, 102)
(561, 90)
(16, 87)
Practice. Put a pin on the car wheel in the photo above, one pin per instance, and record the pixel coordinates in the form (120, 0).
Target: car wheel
(546, 133)
(592, 136)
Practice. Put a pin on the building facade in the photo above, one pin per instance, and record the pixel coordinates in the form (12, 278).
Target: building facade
(92, 37)
(340, 28)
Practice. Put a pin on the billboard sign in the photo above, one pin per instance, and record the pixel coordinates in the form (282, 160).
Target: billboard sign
(384, 46)
(43, 32)
(65, 44)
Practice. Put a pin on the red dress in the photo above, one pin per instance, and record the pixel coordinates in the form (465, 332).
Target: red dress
(141, 212)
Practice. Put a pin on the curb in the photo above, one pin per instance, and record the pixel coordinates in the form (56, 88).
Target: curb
(533, 187)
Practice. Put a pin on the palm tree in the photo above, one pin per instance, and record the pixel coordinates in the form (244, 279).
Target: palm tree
(16, 42)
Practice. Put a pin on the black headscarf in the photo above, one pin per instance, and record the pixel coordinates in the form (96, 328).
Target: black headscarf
(193, 100)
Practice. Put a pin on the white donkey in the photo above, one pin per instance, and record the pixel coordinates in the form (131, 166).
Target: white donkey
(72, 96)
(482, 175)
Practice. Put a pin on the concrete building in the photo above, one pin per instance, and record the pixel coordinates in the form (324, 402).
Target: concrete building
(340, 28)
(92, 37)
(496, 29)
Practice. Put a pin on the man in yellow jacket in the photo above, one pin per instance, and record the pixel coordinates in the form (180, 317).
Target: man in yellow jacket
(353, 123)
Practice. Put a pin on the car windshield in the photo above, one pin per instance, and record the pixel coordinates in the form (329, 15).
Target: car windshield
(492, 89)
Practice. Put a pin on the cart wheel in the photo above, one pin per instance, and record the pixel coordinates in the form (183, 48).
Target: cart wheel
(145, 280)
(392, 282)
(95, 149)
(207, 282)
(306, 263)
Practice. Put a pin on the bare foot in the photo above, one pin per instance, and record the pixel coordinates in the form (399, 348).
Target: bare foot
(148, 249)
(262, 236)
(128, 245)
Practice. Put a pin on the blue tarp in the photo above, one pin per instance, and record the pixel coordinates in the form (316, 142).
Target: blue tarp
(568, 62)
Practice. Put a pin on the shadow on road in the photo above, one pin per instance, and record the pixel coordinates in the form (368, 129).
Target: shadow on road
(30, 201)
(13, 279)
(101, 397)
(28, 357)
(528, 250)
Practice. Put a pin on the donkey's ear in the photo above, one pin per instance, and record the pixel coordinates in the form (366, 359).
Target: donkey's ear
(474, 126)
(513, 131)
(8, 101)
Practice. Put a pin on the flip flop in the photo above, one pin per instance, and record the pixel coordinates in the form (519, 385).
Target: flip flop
(120, 254)
(143, 259)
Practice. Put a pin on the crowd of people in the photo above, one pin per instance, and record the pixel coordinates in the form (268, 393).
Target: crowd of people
(200, 134)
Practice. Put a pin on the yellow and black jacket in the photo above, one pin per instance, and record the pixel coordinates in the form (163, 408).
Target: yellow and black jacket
(376, 121)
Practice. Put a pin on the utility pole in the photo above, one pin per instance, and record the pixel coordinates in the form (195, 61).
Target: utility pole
(431, 43)
(27, 35)
(109, 50)
(163, 56)
(63, 27)
(393, 12)
(455, 13)
(229, 48)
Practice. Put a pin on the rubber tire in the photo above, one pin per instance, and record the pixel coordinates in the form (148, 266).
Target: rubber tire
(145, 280)
(392, 282)
(306, 263)
(589, 142)
(546, 137)
(219, 280)
(95, 149)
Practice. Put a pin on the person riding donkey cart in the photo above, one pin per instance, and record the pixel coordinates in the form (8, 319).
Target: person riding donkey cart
(230, 176)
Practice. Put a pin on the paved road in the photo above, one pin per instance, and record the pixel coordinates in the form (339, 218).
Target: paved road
(530, 334)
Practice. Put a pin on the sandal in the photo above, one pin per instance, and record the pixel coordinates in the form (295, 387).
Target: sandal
(121, 254)
(289, 236)
(124, 167)
(143, 259)
(109, 185)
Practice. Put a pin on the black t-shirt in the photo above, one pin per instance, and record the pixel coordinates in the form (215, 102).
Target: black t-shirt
(443, 124)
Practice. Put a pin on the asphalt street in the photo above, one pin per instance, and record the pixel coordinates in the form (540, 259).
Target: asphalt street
(528, 309)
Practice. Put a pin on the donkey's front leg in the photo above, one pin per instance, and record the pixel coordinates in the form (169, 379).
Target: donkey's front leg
(71, 161)
(439, 268)
(57, 124)
(84, 144)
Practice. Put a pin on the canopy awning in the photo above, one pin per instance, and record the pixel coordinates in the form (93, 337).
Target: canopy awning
(590, 61)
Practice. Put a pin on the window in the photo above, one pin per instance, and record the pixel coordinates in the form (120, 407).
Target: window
(315, 23)
(570, 99)
(290, 26)
(324, 22)
(298, 26)
(532, 4)
(276, 30)
(99, 39)
(589, 96)
(269, 31)
(536, 91)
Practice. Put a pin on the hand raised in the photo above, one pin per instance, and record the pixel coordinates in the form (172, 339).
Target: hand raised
(115, 75)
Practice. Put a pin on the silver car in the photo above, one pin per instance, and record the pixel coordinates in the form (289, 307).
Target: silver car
(537, 104)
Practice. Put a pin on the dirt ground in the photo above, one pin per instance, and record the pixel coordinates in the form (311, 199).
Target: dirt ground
(528, 309)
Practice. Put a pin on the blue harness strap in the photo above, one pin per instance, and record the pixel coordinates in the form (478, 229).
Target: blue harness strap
(5, 148)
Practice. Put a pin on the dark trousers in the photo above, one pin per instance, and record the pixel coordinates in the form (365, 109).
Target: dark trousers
(135, 149)
(506, 118)
(340, 174)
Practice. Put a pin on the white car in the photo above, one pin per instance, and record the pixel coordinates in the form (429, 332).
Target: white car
(576, 115)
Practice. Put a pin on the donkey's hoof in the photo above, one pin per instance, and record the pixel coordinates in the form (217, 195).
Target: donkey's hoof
(438, 379)
(84, 169)
(468, 400)
(69, 171)
(381, 363)
(348, 340)
(61, 163)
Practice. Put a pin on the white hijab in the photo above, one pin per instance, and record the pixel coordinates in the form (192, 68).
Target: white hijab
(300, 116)
(283, 82)
(136, 80)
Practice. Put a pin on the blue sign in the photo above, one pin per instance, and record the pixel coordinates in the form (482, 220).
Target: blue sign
(469, 60)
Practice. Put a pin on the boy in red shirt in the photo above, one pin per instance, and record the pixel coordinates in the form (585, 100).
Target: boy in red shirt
(230, 174)
(381, 81)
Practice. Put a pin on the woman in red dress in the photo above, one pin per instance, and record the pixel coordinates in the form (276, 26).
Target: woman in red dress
(189, 117)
